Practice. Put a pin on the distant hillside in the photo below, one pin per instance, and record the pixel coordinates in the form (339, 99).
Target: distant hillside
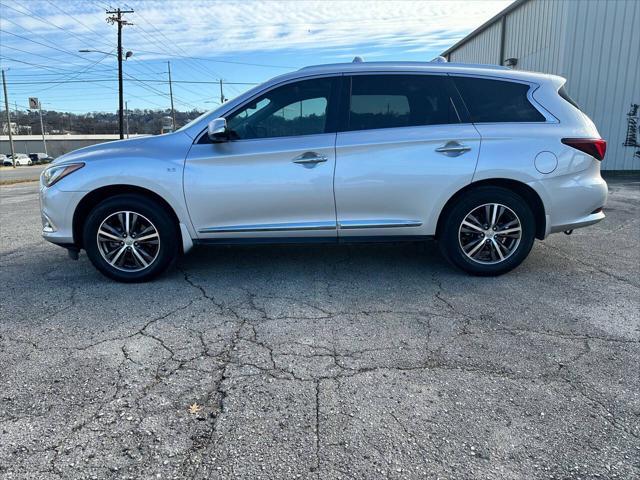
(140, 121)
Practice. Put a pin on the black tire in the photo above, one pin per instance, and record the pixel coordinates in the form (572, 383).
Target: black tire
(450, 238)
(166, 252)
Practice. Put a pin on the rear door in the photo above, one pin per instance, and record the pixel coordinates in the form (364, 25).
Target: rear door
(405, 147)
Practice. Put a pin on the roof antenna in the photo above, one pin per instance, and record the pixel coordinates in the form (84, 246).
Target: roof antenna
(439, 59)
(357, 60)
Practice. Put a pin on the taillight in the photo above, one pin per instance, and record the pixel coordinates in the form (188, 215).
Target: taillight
(596, 147)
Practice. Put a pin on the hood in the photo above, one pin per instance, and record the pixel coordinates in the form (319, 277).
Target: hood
(124, 149)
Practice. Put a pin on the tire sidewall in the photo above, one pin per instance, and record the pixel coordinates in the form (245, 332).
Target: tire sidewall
(165, 226)
(450, 243)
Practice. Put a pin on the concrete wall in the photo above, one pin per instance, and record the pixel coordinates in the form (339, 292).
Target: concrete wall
(56, 144)
(594, 44)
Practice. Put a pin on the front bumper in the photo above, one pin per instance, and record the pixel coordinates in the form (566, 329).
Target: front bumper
(57, 208)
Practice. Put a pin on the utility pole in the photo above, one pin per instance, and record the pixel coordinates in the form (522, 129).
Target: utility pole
(116, 17)
(6, 107)
(126, 108)
(173, 112)
(222, 99)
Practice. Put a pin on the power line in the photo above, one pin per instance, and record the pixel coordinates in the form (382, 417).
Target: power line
(47, 67)
(204, 59)
(31, 14)
(72, 77)
(38, 55)
(71, 16)
(215, 82)
(156, 40)
(43, 44)
(153, 89)
(176, 47)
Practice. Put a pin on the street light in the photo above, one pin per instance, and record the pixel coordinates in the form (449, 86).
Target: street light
(127, 55)
(120, 88)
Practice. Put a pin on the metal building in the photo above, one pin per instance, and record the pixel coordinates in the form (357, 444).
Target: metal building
(594, 44)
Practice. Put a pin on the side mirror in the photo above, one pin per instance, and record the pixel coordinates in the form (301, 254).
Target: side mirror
(217, 130)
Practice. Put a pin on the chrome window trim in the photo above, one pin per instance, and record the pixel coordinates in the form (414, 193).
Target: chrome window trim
(549, 117)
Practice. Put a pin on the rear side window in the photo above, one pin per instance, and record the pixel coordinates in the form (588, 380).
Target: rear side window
(391, 101)
(491, 101)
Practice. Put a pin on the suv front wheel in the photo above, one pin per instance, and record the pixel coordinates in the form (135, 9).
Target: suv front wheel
(130, 238)
(488, 231)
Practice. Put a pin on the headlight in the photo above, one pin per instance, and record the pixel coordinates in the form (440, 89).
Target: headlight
(56, 173)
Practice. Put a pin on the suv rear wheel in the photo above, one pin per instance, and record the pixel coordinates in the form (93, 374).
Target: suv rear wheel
(488, 231)
(130, 238)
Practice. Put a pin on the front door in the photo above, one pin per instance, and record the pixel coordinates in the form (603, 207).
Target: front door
(402, 153)
(274, 177)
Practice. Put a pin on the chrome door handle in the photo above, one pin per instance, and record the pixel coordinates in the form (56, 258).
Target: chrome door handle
(310, 158)
(453, 149)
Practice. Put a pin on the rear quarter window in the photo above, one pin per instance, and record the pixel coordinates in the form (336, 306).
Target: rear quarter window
(497, 101)
(566, 97)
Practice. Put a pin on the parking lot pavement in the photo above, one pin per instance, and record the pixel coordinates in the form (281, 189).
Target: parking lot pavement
(25, 173)
(358, 362)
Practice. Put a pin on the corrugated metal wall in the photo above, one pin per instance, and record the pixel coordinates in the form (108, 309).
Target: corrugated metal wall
(602, 67)
(534, 35)
(595, 45)
(485, 48)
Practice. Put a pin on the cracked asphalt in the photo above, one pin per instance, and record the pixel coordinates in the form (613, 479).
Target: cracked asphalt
(340, 362)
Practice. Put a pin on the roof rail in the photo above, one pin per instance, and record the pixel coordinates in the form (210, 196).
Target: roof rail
(433, 64)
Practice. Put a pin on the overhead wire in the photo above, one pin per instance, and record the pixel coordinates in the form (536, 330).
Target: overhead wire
(32, 14)
(71, 76)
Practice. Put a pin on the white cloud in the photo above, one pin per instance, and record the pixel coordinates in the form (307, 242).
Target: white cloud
(270, 33)
(207, 28)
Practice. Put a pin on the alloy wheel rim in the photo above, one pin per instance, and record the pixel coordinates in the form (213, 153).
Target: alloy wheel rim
(128, 241)
(490, 233)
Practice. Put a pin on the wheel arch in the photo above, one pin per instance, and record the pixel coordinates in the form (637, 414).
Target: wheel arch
(525, 191)
(94, 197)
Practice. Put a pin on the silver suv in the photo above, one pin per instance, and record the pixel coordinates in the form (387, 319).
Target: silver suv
(483, 158)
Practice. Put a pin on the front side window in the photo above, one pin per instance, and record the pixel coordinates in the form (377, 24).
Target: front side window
(491, 101)
(391, 101)
(294, 109)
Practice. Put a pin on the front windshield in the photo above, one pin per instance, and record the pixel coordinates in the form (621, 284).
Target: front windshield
(194, 121)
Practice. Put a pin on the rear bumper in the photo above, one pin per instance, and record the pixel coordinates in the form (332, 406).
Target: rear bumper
(572, 201)
(579, 223)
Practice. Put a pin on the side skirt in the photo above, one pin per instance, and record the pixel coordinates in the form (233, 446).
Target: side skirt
(313, 240)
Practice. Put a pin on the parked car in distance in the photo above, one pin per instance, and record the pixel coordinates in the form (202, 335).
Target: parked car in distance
(484, 159)
(5, 161)
(39, 158)
(22, 159)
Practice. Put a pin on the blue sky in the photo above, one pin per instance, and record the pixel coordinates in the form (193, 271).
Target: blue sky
(239, 42)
